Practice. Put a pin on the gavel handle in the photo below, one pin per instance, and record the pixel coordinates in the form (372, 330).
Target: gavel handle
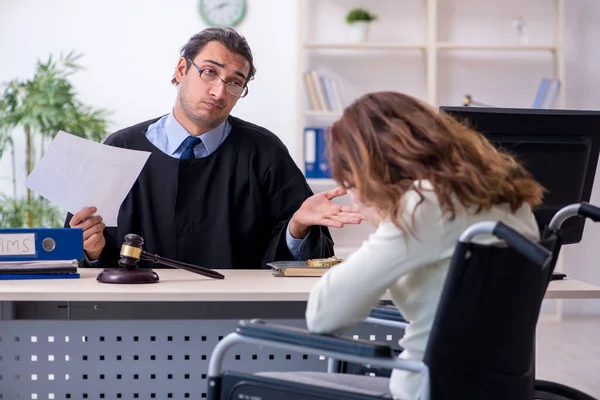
(179, 264)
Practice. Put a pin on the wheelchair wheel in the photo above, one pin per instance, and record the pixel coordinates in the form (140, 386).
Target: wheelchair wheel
(541, 395)
(545, 390)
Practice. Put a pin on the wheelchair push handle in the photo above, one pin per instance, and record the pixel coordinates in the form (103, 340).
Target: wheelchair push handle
(532, 250)
(589, 211)
(585, 210)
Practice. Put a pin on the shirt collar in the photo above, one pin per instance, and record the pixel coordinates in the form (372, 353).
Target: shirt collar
(176, 134)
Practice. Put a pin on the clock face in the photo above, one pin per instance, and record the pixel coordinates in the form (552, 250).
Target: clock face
(222, 12)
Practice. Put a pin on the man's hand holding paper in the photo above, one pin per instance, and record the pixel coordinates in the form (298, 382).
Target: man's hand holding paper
(93, 231)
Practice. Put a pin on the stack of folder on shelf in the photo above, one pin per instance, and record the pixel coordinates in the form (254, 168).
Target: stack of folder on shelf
(40, 253)
(316, 164)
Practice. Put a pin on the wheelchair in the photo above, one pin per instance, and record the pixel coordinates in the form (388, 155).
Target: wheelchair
(552, 238)
(481, 346)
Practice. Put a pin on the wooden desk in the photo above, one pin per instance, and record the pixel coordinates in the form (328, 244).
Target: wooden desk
(83, 339)
(178, 285)
(572, 289)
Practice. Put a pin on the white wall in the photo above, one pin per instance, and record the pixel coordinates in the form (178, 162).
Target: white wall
(131, 47)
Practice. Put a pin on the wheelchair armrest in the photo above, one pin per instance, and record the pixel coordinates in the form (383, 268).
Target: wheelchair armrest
(258, 329)
(388, 313)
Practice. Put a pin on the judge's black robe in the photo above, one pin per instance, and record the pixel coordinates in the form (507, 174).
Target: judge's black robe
(229, 210)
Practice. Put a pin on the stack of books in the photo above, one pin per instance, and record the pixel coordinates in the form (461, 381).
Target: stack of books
(547, 93)
(11, 270)
(323, 92)
(310, 268)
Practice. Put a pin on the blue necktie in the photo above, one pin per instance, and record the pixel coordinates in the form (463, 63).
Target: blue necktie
(188, 147)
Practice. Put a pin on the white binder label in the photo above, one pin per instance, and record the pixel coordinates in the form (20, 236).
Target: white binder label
(17, 244)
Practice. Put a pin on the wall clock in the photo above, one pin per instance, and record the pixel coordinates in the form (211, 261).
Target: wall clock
(222, 12)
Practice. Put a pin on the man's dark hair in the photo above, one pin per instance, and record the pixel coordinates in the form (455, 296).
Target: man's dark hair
(228, 37)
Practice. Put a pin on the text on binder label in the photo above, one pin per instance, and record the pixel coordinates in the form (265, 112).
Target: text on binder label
(16, 244)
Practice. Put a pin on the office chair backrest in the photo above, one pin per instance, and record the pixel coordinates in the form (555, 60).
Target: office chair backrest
(482, 342)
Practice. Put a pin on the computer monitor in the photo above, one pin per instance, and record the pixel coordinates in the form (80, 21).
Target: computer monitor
(559, 147)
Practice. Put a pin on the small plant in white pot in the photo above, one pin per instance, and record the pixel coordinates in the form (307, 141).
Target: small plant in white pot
(359, 20)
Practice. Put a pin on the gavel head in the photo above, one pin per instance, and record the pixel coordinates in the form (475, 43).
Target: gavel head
(131, 251)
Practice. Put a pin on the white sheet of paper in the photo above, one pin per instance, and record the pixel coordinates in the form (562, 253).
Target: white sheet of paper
(76, 173)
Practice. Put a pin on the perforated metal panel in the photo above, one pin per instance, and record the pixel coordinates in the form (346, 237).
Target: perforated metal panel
(132, 359)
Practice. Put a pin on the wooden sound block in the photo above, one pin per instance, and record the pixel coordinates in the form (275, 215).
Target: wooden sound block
(127, 276)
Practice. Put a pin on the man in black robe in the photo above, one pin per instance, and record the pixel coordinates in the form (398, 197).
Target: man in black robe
(216, 191)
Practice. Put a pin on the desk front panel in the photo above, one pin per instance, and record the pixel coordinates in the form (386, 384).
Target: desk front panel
(83, 350)
(79, 339)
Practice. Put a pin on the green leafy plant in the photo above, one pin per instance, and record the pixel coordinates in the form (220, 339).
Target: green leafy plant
(359, 14)
(15, 212)
(39, 108)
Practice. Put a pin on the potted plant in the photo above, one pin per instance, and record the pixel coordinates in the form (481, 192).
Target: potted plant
(38, 108)
(359, 19)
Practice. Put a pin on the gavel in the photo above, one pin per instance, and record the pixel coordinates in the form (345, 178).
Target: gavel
(132, 253)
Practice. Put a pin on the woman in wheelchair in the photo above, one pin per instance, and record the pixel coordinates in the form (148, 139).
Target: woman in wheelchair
(421, 178)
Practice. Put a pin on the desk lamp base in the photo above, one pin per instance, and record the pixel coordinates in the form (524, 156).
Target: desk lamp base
(127, 276)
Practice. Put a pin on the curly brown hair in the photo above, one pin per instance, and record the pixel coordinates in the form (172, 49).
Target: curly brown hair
(385, 141)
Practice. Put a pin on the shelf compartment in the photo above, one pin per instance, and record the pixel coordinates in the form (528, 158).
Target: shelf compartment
(498, 47)
(364, 46)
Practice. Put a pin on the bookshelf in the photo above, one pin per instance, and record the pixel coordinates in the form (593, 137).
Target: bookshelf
(412, 47)
(416, 37)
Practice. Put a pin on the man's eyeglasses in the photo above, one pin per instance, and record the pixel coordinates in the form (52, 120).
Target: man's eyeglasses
(208, 75)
